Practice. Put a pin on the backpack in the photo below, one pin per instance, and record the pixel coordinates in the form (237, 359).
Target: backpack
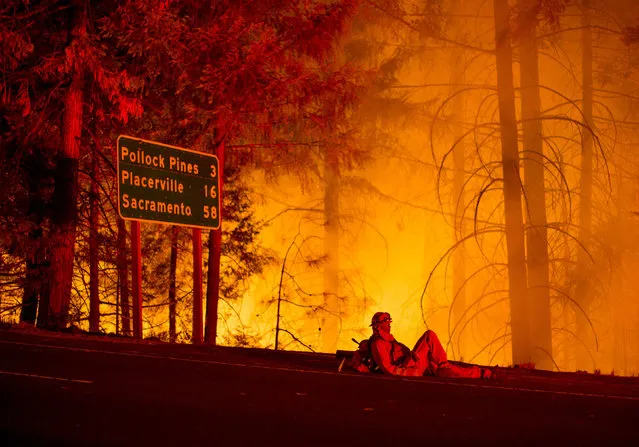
(362, 359)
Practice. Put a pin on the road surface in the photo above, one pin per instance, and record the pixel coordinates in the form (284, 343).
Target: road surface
(91, 391)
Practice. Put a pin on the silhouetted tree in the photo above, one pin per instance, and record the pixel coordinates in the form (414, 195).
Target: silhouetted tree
(517, 283)
(534, 189)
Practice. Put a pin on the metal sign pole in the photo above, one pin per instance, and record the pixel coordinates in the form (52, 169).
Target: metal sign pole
(136, 276)
(197, 286)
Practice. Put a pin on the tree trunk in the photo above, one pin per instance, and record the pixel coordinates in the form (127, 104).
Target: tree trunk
(582, 292)
(175, 231)
(457, 59)
(331, 320)
(31, 291)
(215, 254)
(35, 259)
(66, 185)
(94, 294)
(517, 286)
(123, 277)
(618, 306)
(535, 190)
(45, 285)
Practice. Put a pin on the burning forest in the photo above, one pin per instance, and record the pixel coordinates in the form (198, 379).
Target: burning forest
(467, 166)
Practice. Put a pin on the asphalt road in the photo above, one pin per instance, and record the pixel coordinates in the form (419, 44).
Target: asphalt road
(61, 390)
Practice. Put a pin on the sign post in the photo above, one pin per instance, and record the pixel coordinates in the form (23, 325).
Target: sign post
(197, 286)
(167, 184)
(136, 278)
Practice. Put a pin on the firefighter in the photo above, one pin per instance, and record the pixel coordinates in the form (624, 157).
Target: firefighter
(427, 358)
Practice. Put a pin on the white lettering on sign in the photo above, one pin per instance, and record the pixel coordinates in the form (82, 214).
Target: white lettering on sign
(178, 209)
(181, 166)
(163, 184)
(142, 158)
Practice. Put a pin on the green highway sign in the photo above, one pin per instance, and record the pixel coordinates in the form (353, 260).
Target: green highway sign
(168, 184)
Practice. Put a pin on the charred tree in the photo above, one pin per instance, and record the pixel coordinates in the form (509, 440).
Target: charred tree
(94, 293)
(215, 254)
(457, 59)
(582, 291)
(37, 260)
(534, 190)
(331, 321)
(66, 185)
(517, 285)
